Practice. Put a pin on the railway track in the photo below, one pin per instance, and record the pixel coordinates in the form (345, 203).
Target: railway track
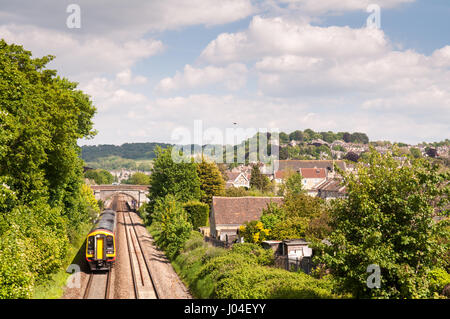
(99, 283)
(141, 276)
(98, 286)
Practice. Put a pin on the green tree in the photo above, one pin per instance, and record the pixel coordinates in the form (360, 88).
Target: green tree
(415, 152)
(170, 178)
(211, 181)
(42, 116)
(387, 220)
(172, 220)
(100, 176)
(258, 180)
(253, 232)
(138, 178)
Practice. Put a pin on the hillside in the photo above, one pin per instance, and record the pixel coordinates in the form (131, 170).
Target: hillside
(132, 151)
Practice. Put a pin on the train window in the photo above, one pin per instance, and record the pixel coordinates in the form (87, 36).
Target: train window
(109, 241)
(90, 244)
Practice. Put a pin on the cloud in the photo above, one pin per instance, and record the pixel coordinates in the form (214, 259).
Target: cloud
(314, 7)
(278, 36)
(233, 77)
(120, 20)
(85, 55)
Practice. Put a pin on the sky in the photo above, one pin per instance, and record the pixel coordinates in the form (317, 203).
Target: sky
(154, 68)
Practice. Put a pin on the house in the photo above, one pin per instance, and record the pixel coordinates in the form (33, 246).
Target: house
(330, 189)
(228, 213)
(318, 142)
(296, 165)
(238, 179)
(312, 177)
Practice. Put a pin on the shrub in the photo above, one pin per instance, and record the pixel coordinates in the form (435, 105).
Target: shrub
(197, 213)
(438, 279)
(171, 219)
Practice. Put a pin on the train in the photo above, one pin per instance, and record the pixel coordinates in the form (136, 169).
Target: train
(101, 242)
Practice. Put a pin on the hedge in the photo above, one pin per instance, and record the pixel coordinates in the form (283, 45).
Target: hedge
(242, 272)
(198, 213)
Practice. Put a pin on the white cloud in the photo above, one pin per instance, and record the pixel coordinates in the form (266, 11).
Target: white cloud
(88, 55)
(108, 95)
(233, 77)
(116, 19)
(126, 78)
(331, 6)
(277, 36)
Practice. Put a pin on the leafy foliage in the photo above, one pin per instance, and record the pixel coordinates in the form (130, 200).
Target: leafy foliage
(42, 199)
(243, 272)
(258, 180)
(253, 232)
(211, 181)
(100, 176)
(170, 178)
(138, 178)
(197, 213)
(388, 220)
(171, 219)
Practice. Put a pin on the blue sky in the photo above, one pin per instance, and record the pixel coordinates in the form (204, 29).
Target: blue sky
(153, 68)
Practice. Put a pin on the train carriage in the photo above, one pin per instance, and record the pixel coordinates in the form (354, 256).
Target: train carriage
(101, 242)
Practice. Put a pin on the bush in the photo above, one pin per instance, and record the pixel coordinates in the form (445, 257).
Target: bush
(242, 272)
(438, 279)
(197, 213)
(171, 219)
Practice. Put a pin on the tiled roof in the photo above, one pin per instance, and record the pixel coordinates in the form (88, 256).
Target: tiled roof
(313, 172)
(332, 185)
(238, 210)
(297, 164)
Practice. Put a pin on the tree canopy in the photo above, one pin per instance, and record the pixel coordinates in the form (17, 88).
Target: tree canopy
(389, 220)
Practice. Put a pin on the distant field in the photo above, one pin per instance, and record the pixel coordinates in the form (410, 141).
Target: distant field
(117, 162)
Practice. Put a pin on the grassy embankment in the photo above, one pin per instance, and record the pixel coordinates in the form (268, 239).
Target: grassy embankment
(245, 271)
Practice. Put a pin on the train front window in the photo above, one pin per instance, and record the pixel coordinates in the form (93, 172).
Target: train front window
(90, 247)
(109, 244)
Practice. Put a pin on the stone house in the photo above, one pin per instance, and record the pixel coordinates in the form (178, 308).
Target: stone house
(228, 213)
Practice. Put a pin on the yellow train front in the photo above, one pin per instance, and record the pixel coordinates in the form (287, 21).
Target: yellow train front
(101, 242)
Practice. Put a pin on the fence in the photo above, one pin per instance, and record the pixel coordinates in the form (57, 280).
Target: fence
(217, 243)
(294, 264)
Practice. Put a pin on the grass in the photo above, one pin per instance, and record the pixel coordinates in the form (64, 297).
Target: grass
(53, 288)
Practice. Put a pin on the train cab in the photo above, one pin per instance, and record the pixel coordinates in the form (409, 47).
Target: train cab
(101, 242)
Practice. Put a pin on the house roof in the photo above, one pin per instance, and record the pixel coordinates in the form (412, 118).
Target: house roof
(332, 185)
(238, 210)
(313, 172)
(298, 164)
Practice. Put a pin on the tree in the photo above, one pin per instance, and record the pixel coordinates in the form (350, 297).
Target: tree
(415, 152)
(100, 176)
(172, 220)
(347, 137)
(211, 181)
(292, 184)
(138, 178)
(253, 232)
(284, 138)
(258, 180)
(170, 178)
(351, 156)
(296, 136)
(387, 221)
(42, 116)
